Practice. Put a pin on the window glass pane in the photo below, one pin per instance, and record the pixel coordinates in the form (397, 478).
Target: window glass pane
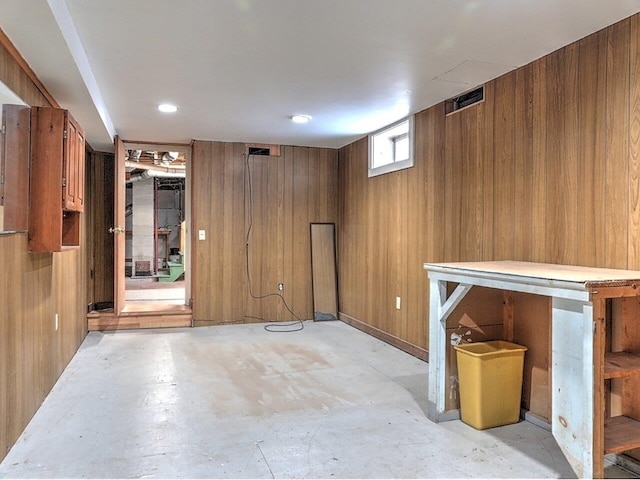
(401, 149)
(382, 151)
(391, 148)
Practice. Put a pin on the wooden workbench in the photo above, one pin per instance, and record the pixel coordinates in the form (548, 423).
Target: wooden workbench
(595, 342)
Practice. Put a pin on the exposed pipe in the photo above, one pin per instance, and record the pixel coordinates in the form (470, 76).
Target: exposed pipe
(158, 168)
(136, 177)
(169, 157)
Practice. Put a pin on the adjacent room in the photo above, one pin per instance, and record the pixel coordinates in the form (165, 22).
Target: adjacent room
(320, 239)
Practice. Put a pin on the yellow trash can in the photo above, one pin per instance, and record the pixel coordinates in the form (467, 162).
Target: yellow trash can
(490, 383)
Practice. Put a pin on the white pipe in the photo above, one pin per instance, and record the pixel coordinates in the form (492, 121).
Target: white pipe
(136, 177)
(157, 168)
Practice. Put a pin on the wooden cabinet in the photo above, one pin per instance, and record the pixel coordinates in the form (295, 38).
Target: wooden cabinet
(56, 187)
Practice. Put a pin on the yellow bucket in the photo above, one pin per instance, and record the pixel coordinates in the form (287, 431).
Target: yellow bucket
(490, 383)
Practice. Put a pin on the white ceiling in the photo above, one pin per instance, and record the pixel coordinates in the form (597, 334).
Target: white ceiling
(238, 69)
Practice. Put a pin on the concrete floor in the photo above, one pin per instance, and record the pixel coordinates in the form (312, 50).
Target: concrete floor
(237, 401)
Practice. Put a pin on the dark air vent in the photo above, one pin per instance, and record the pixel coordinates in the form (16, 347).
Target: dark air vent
(260, 151)
(464, 100)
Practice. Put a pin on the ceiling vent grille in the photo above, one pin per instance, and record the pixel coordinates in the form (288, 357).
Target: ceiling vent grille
(465, 100)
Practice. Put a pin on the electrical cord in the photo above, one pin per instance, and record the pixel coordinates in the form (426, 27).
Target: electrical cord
(280, 328)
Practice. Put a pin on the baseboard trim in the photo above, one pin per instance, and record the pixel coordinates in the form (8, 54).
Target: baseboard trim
(215, 323)
(403, 345)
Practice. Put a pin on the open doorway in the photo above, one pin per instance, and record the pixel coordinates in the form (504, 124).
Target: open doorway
(156, 214)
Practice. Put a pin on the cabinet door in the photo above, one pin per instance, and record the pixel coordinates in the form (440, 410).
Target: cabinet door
(14, 176)
(74, 158)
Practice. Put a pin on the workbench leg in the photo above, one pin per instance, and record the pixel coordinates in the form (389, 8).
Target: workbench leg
(572, 397)
(599, 342)
(439, 309)
(437, 350)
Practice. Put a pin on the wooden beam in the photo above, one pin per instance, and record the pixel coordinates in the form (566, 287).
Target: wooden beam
(453, 300)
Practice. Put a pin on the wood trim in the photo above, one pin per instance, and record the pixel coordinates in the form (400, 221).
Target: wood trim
(403, 345)
(213, 323)
(118, 221)
(13, 51)
(599, 339)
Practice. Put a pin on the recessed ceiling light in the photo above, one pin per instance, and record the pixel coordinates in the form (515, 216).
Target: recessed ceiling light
(301, 118)
(167, 108)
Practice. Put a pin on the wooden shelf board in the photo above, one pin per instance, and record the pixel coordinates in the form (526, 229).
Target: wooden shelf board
(621, 364)
(621, 434)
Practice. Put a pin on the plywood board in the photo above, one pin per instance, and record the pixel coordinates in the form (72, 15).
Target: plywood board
(323, 264)
(532, 328)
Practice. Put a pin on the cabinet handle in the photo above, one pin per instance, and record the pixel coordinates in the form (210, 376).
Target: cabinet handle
(116, 230)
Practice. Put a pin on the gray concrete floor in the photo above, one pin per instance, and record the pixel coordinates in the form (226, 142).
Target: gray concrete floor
(237, 401)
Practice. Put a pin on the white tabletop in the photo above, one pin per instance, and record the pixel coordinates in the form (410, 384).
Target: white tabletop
(544, 271)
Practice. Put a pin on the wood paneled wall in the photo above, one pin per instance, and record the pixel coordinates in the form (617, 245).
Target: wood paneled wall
(99, 192)
(546, 169)
(289, 192)
(388, 226)
(33, 288)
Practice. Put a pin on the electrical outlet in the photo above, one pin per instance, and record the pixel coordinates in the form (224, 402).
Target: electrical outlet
(57, 321)
(281, 286)
(398, 302)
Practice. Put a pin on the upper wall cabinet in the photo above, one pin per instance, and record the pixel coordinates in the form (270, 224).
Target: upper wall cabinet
(57, 180)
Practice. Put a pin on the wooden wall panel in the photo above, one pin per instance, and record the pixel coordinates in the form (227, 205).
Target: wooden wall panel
(382, 244)
(33, 288)
(533, 329)
(289, 192)
(633, 259)
(504, 182)
(545, 169)
(555, 193)
(539, 133)
(99, 245)
(617, 145)
(591, 174)
(522, 120)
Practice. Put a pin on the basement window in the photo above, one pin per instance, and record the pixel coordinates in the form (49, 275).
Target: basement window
(391, 148)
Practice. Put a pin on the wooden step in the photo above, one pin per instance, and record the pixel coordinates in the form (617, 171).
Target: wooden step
(141, 315)
(621, 434)
(621, 364)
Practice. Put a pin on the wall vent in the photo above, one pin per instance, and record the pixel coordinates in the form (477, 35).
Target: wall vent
(259, 151)
(465, 100)
(263, 149)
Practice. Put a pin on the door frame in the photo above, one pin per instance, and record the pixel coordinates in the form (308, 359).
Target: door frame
(119, 215)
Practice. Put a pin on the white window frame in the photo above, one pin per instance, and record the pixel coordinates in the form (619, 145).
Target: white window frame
(384, 135)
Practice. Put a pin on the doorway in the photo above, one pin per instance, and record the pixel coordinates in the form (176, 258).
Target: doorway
(153, 275)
